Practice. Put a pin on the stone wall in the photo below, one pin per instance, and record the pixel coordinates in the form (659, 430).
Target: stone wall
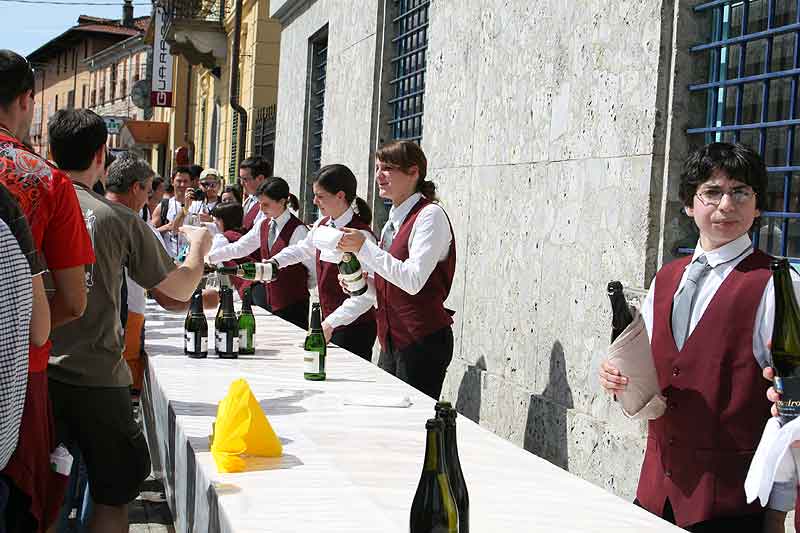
(554, 131)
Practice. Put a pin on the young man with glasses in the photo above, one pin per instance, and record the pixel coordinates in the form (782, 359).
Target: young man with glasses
(709, 319)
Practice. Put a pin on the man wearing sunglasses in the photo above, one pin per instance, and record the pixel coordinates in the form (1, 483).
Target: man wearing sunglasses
(207, 200)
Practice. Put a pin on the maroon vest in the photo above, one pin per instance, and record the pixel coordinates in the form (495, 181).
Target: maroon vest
(699, 451)
(250, 217)
(291, 285)
(408, 318)
(331, 295)
(247, 224)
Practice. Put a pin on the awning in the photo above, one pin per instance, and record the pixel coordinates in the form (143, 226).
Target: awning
(139, 132)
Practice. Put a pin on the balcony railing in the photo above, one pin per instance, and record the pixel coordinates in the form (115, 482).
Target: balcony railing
(198, 10)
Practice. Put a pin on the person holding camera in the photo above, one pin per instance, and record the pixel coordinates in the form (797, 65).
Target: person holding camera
(171, 213)
(206, 197)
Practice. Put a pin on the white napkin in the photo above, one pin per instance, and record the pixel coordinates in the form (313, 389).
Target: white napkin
(630, 353)
(772, 461)
(325, 240)
(378, 401)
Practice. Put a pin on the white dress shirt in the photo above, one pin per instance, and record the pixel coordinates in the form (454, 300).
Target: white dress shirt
(428, 245)
(722, 261)
(354, 306)
(251, 241)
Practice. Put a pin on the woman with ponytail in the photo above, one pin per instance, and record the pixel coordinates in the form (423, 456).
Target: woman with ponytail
(349, 322)
(287, 295)
(413, 270)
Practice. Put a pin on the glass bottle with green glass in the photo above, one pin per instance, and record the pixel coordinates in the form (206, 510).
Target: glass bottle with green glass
(447, 414)
(226, 327)
(315, 347)
(195, 328)
(786, 341)
(264, 271)
(434, 509)
(247, 325)
(352, 275)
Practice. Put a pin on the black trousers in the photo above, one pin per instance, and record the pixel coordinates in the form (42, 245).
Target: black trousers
(296, 313)
(422, 365)
(727, 524)
(356, 338)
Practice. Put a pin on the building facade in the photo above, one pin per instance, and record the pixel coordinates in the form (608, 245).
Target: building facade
(555, 134)
(62, 75)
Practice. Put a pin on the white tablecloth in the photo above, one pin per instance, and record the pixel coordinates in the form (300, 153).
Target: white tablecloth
(345, 468)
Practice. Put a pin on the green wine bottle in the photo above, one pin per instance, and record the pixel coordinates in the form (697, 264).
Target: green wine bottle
(247, 325)
(786, 341)
(315, 347)
(250, 271)
(352, 275)
(195, 328)
(446, 413)
(620, 312)
(434, 509)
(226, 327)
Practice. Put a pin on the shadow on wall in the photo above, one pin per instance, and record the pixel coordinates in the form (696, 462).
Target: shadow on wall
(546, 428)
(468, 403)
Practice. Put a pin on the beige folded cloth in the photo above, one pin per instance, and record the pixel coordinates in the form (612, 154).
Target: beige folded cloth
(630, 353)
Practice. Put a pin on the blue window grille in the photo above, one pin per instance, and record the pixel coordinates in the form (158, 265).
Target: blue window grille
(316, 107)
(751, 97)
(410, 43)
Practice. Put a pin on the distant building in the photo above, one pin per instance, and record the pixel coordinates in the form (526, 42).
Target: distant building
(62, 76)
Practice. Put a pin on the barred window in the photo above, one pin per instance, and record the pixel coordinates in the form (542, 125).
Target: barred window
(315, 106)
(751, 97)
(410, 43)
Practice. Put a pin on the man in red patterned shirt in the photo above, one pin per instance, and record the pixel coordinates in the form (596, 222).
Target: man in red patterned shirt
(50, 204)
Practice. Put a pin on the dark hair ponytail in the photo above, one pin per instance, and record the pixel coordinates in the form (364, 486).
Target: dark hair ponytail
(335, 178)
(407, 154)
(277, 189)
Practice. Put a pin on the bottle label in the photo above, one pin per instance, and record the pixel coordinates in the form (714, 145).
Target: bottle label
(355, 282)
(263, 272)
(789, 404)
(245, 341)
(222, 337)
(311, 363)
(192, 342)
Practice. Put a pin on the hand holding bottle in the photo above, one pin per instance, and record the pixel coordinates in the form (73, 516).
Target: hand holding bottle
(351, 241)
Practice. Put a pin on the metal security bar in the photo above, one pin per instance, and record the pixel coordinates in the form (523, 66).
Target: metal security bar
(410, 45)
(316, 107)
(264, 132)
(751, 97)
(233, 162)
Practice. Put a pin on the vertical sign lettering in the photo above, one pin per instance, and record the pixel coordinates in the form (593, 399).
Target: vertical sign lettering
(161, 93)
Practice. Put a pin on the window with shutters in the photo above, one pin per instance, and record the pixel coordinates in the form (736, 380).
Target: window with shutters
(315, 107)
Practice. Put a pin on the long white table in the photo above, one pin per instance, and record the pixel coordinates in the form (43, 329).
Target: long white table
(345, 468)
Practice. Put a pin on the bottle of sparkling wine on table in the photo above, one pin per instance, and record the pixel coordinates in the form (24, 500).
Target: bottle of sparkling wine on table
(434, 509)
(315, 347)
(446, 413)
(195, 328)
(226, 327)
(247, 325)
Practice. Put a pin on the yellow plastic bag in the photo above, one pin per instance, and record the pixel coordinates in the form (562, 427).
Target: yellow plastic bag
(241, 429)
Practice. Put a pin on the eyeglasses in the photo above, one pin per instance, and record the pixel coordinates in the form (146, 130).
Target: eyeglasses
(210, 184)
(739, 195)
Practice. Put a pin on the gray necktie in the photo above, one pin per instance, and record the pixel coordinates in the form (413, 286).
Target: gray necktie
(684, 302)
(273, 233)
(387, 236)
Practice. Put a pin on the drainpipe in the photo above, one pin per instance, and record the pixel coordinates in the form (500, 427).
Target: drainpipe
(234, 81)
(186, 138)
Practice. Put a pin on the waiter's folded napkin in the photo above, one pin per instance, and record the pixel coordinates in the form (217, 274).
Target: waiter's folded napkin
(241, 430)
(325, 239)
(773, 461)
(630, 353)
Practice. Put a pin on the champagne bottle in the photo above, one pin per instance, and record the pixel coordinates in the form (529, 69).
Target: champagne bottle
(446, 413)
(247, 325)
(786, 341)
(434, 510)
(353, 276)
(621, 313)
(315, 346)
(195, 328)
(250, 271)
(226, 326)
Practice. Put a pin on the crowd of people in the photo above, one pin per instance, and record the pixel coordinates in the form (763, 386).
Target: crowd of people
(89, 236)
